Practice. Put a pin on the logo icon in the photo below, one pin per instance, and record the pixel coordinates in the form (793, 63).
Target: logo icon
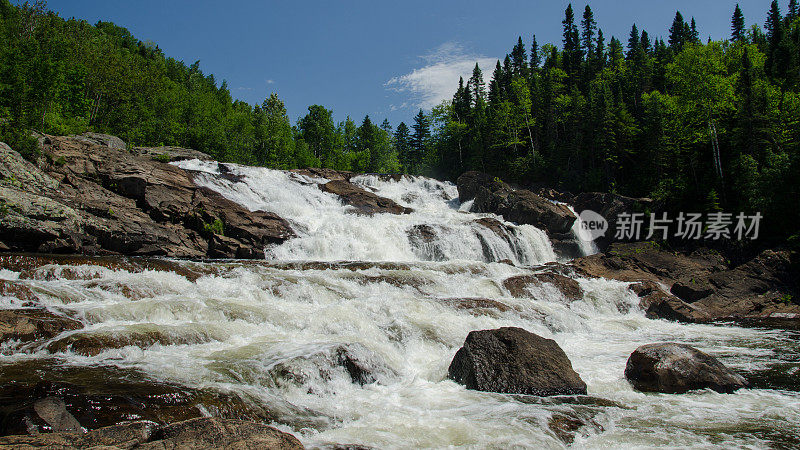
(591, 225)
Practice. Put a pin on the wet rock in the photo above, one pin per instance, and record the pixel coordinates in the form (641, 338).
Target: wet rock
(476, 306)
(330, 174)
(126, 435)
(677, 368)
(703, 286)
(199, 433)
(493, 196)
(658, 304)
(27, 325)
(96, 342)
(53, 411)
(99, 396)
(517, 286)
(365, 202)
(565, 427)
(512, 360)
(353, 360)
(23, 295)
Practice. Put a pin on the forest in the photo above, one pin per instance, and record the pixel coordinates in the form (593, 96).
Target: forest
(698, 126)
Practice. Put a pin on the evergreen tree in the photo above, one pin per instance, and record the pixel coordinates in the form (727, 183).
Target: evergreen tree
(477, 86)
(402, 142)
(737, 25)
(677, 32)
(645, 43)
(791, 15)
(518, 58)
(536, 59)
(419, 139)
(633, 41)
(588, 28)
(600, 51)
(694, 36)
(572, 54)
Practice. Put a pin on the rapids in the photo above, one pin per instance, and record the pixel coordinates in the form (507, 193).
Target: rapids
(276, 330)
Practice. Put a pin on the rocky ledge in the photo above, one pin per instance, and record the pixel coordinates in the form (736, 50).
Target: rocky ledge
(494, 196)
(701, 285)
(87, 195)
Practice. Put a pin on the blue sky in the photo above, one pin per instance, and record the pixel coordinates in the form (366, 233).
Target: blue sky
(385, 59)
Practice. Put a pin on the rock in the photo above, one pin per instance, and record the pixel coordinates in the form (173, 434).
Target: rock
(27, 325)
(210, 433)
(703, 286)
(476, 306)
(199, 433)
(92, 343)
(365, 202)
(99, 396)
(21, 295)
(517, 286)
(521, 206)
(329, 174)
(514, 361)
(691, 291)
(98, 199)
(169, 153)
(53, 411)
(104, 140)
(125, 435)
(677, 368)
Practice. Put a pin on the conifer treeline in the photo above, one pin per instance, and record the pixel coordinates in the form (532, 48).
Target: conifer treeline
(699, 125)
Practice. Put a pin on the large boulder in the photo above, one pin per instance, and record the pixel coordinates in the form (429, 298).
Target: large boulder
(514, 361)
(493, 196)
(676, 368)
(365, 202)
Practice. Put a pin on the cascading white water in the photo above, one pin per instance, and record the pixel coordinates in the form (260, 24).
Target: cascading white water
(329, 231)
(587, 246)
(273, 330)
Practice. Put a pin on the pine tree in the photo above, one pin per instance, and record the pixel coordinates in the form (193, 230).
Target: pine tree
(419, 139)
(793, 11)
(694, 36)
(737, 25)
(572, 53)
(615, 55)
(588, 26)
(600, 51)
(477, 86)
(536, 59)
(518, 59)
(495, 89)
(677, 32)
(633, 41)
(774, 26)
(403, 145)
(644, 42)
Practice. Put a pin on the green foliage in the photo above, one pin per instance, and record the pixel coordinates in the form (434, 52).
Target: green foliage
(164, 158)
(214, 228)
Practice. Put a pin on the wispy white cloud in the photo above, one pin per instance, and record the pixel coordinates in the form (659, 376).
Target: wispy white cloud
(437, 80)
(270, 81)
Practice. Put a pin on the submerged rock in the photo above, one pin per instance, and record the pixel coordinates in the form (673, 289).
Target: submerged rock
(569, 288)
(33, 324)
(512, 360)
(677, 368)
